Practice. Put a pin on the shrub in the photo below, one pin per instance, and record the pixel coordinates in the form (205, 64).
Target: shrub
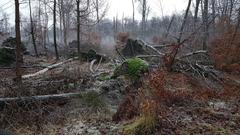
(11, 42)
(225, 52)
(7, 56)
(131, 68)
(146, 123)
(94, 100)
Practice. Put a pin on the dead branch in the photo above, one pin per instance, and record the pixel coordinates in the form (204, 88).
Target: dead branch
(47, 69)
(99, 63)
(193, 53)
(147, 56)
(33, 66)
(147, 46)
(163, 46)
(42, 98)
(91, 65)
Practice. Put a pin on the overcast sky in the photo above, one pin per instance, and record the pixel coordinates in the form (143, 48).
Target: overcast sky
(116, 7)
(169, 7)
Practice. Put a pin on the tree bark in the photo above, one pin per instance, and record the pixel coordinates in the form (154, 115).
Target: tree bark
(214, 14)
(32, 29)
(205, 22)
(41, 98)
(169, 26)
(144, 10)
(133, 19)
(97, 10)
(78, 28)
(18, 44)
(196, 12)
(54, 29)
(184, 21)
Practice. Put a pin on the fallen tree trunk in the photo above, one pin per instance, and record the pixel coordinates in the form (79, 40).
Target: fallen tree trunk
(41, 98)
(193, 53)
(34, 66)
(48, 68)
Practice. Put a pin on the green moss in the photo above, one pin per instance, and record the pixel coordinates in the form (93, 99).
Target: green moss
(131, 68)
(143, 125)
(104, 77)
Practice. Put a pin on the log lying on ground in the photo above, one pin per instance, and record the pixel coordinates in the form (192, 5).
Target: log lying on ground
(33, 66)
(41, 98)
(48, 68)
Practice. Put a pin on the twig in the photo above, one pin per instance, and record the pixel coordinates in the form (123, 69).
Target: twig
(91, 65)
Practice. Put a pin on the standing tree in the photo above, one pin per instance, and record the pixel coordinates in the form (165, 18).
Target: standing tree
(78, 28)
(144, 11)
(196, 12)
(133, 18)
(184, 22)
(54, 29)
(32, 29)
(18, 44)
(205, 23)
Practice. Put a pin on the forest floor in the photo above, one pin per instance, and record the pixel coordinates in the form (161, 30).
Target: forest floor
(197, 107)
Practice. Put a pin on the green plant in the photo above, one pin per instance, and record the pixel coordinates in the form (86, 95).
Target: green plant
(11, 42)
(7, 56)
(104, 77)
(143, 125)
(94, 100)
(131, 68)
(146, 123)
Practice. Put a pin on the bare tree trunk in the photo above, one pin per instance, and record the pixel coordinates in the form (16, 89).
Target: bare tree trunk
(196, 12)
(78, 28)
(32, 29)
(184, 21)
(144, 10)
(54, 29)
(169, 26)
(45, 33)
(97, 10)
(231, 10)
(214, 14)
(64, 21)
(40, 22)
(133, 19)
(205, 22)
(18, 44)
(60, 19)
(123, 28)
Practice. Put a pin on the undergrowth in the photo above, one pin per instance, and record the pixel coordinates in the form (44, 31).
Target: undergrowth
(131, 68)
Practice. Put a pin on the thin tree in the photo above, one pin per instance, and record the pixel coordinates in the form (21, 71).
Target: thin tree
(144, 11)
(97, 10)
(78, 28)
(196, 12)
(184, 22)
(133, 18)
(32, 29)
(213, 14)
(206, 25)
(18, 44)
(169, 26)
(54, 29)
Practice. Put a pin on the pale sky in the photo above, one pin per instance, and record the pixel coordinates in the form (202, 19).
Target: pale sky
(116, 7)
(120, 7)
